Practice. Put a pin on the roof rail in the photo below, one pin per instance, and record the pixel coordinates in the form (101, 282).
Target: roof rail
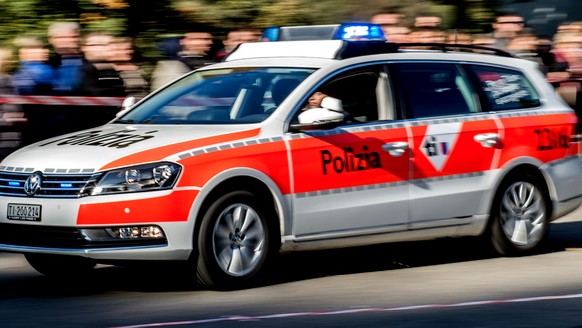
(356, 48)
(446, 47)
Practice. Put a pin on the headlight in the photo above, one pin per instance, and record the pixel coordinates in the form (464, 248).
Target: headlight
(156, 176)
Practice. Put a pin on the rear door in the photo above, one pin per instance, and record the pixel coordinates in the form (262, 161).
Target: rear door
(454, 145)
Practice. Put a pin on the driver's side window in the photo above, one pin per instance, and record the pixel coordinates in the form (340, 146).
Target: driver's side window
(357, 91)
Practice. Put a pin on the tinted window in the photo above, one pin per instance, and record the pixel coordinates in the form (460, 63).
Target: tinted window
(504, 89)
(432, 89)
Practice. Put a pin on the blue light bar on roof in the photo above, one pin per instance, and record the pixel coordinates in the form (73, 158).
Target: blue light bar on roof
(347, 31)
(359, 31)
(270, 34)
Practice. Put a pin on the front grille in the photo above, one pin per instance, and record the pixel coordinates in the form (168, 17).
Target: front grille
(26, 235)
(52, 185)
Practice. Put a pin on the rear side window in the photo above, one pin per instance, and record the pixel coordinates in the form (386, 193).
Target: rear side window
(432, 89)
(504, 89)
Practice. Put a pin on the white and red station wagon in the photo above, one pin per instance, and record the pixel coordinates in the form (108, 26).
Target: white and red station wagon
(225, 168)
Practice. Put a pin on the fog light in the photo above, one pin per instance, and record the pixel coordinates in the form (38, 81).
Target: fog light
(151, 232)
(136, 232)
(140, 234)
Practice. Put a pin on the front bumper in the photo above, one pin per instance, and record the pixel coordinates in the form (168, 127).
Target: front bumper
(65, 223)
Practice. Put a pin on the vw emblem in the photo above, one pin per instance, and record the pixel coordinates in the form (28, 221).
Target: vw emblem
(32, 184)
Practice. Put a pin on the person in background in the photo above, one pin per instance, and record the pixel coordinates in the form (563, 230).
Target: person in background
(196, 47)
(170, 66)
(8, 112)
(182, 55)
(507, 26)
(483, 40)
(10, 115)
(568, 45)
(459, 37)
(66, 57)
(390, 20)
(524, 44)
(121, 56)
(427, 28)
(234, 38)
(550, 62)
(34, 75)
(100, 77)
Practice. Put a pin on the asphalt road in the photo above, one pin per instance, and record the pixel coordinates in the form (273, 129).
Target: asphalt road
(444, 283)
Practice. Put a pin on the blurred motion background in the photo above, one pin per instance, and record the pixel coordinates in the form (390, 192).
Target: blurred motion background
(146, 21)
(131, 47)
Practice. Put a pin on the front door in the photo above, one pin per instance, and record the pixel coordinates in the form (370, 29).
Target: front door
(353, 179)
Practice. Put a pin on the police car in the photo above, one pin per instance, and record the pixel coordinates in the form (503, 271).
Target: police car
(226, 167)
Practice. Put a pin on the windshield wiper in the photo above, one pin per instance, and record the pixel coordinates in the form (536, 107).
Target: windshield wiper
(124, 121)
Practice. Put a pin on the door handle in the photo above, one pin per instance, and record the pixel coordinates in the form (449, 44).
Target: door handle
(395, 149)
(487, 140)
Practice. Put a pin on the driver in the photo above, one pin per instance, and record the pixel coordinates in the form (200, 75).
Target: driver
(321, 106)
(315, 100)
(317, 97)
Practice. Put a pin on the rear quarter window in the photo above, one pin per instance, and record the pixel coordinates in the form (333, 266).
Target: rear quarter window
(504, 89)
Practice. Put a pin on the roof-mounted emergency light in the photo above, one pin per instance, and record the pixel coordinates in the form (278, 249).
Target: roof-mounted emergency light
(347, 31)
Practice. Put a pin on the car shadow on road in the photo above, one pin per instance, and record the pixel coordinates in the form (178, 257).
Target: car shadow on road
(290, 267)
(394, 256)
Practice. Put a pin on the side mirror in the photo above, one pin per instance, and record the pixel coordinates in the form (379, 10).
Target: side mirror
(126, 106)
(320, 115)
(298, 127)
(330, 115)
(331, 111)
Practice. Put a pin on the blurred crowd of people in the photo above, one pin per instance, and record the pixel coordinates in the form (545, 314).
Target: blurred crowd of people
(97, 64)
(559, 56)
(92, 64)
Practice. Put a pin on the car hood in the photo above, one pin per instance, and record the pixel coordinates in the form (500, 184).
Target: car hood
(116, 145)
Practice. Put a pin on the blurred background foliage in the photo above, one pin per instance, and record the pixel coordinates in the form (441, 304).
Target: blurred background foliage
(146, 20)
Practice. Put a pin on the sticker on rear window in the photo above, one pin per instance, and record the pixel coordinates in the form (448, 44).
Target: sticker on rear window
(507, 89)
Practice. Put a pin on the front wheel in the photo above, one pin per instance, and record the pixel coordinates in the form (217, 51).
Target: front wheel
(236, 242)
(520, 216)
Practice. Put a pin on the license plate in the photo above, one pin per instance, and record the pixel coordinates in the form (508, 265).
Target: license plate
(23, 212)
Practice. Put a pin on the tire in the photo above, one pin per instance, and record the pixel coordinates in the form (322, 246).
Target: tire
(60, 266)
(236, 242)
(520, 216)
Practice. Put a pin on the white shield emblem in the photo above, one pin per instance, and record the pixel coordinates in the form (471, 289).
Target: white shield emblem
(439, 142)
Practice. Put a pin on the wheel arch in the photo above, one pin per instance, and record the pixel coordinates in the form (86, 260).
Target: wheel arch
(524, 167)
(240, 179)
(517, 239)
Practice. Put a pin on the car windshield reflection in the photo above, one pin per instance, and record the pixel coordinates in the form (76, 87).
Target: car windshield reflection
(219, 96)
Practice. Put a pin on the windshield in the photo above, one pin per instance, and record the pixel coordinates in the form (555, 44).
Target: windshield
(220, 96)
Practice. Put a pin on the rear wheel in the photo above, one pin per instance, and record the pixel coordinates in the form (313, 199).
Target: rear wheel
(60, 266)
(236, 241)
(520, 216)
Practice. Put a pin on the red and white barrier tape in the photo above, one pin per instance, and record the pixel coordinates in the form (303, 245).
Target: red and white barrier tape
(61, 100)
